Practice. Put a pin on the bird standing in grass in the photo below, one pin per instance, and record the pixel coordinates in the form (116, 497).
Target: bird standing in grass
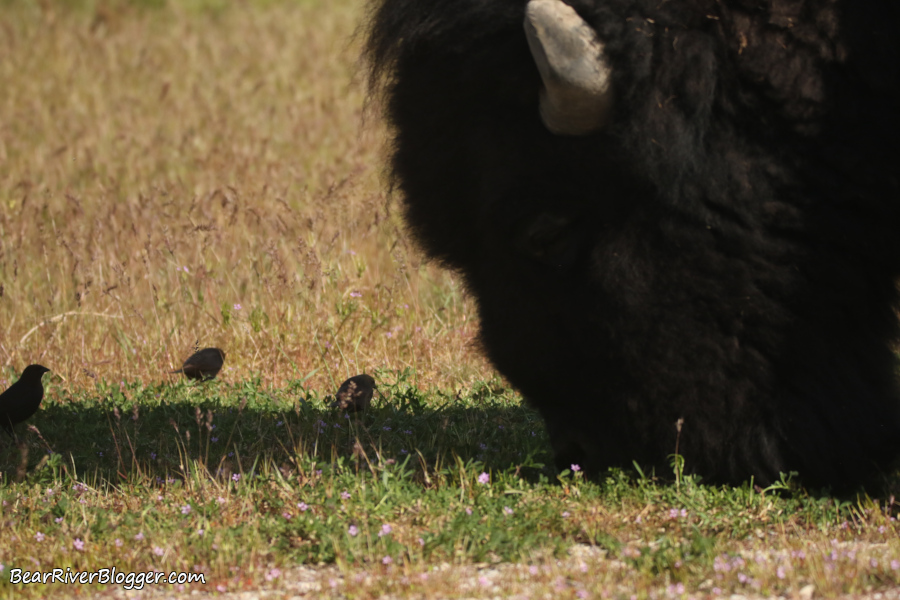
(22, 399)
(355, 394)
(203, 364)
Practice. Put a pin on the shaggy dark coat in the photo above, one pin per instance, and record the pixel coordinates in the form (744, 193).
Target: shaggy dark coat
(724, 253)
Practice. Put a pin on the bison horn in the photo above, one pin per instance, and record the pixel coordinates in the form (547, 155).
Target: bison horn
(576, 97)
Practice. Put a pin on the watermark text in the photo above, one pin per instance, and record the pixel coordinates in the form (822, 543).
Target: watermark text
(129, 580)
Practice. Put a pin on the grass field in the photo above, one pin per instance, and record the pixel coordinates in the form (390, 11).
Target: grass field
(195, 172)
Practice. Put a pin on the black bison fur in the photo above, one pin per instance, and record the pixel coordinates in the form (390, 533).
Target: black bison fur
(725, 252)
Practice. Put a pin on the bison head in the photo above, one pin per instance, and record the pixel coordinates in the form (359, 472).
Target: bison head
(669, 212)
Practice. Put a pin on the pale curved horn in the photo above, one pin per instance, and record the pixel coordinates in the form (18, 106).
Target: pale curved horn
(576, 98)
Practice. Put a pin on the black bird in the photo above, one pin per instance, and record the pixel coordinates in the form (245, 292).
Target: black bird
(203, 364)
(355, 394)
(22, 399)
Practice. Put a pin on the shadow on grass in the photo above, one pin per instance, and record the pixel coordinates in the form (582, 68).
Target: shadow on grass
(118, 432)
(169, 432)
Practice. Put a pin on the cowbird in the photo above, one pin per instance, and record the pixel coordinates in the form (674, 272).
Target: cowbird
(23, 398)
(355, 394)
(203, 364)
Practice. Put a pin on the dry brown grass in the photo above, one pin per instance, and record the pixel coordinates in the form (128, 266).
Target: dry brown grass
(230, 141)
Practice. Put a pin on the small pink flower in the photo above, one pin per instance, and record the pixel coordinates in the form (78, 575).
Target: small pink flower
(576, 468)
(676, 589)
(353, 530)
(79, 545)
(39, 536)
(345, 495)
(385, 529)
(303, 506)
(484, 478)
(387, 560)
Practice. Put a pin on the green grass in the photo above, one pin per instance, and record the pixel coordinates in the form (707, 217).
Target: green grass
(243, 483)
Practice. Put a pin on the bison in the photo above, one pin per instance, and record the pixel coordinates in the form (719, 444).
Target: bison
(680, 218)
